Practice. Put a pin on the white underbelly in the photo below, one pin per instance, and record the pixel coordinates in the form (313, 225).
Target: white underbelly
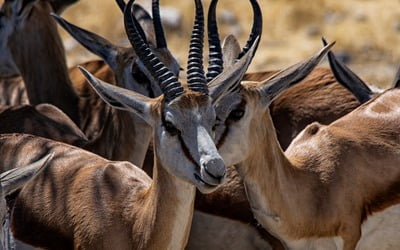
(381, 231)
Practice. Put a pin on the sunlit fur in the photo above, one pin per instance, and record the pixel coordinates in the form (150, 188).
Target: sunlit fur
(318, 98)
(329, 181)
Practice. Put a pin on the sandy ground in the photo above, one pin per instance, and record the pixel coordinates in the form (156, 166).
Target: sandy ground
(367, 31)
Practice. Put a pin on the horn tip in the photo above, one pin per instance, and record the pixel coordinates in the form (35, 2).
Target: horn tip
(85, 72)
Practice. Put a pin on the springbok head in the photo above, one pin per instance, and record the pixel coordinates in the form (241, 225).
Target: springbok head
(183, 117)
(14, 179)
(129, 71)
(240, 115)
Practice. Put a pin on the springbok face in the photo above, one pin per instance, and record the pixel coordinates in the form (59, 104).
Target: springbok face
(129, 71)
(240, 114)
(183, 118)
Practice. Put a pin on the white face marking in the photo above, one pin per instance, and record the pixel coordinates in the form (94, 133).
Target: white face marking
(233, 133)
(186, 146)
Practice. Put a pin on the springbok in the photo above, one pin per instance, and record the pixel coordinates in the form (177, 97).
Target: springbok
(85, 201)
(11, 181)
(329, 188)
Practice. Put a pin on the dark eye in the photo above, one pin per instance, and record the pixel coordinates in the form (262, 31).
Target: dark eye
(236, 114)
(171, 129)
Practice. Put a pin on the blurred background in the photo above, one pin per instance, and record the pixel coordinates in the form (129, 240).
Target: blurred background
(367, 31)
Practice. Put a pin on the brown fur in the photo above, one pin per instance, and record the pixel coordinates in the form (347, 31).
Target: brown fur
(58, 87)
(12, 91)
(318, 98)
(81, 199)
(43, 120)
(323, 161)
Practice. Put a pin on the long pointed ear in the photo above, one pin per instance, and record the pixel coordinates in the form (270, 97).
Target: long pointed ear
(230, 50)
(284, 79)
(146, 22)
(396, 82)
(348, 78)
(14, 179)
(230, 78)
(94, 43)
(121, 98)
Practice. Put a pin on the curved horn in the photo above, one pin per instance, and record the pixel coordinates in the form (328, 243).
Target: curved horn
(121, 5)
(256, 30)
(158, 28)
(169, 84)
(195, 72)
(396, 81)
(215, 61)
(348, 78)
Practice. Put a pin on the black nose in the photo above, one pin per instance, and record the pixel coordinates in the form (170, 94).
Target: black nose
(216, 170)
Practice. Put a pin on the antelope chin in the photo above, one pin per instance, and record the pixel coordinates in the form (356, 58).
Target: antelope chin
(203, 186)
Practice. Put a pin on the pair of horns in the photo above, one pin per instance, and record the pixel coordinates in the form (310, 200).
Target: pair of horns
(215, 63)
(169, 83)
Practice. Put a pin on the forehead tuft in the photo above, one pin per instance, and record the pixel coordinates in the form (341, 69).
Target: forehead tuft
(190, 100)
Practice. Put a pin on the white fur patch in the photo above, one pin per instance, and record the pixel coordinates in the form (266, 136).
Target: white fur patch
(381, 231)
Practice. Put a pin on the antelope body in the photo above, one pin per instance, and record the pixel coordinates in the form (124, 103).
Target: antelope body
(335, 185)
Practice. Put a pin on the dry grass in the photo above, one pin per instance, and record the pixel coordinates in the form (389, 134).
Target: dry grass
(368, 30)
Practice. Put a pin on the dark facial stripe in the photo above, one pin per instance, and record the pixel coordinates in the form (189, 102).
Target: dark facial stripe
(184, 147)
(186, 151)
(223, 137)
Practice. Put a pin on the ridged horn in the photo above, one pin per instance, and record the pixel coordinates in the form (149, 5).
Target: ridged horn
(195, 71)
(158, 28)
(215, 61)
(396, 81)
(169, 84)
(121, 5)
(256, 30)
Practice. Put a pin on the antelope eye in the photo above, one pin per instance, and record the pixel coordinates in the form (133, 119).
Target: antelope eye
(236, 114)
(171, 129)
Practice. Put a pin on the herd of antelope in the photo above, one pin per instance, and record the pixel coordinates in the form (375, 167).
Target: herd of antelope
(109, 154)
